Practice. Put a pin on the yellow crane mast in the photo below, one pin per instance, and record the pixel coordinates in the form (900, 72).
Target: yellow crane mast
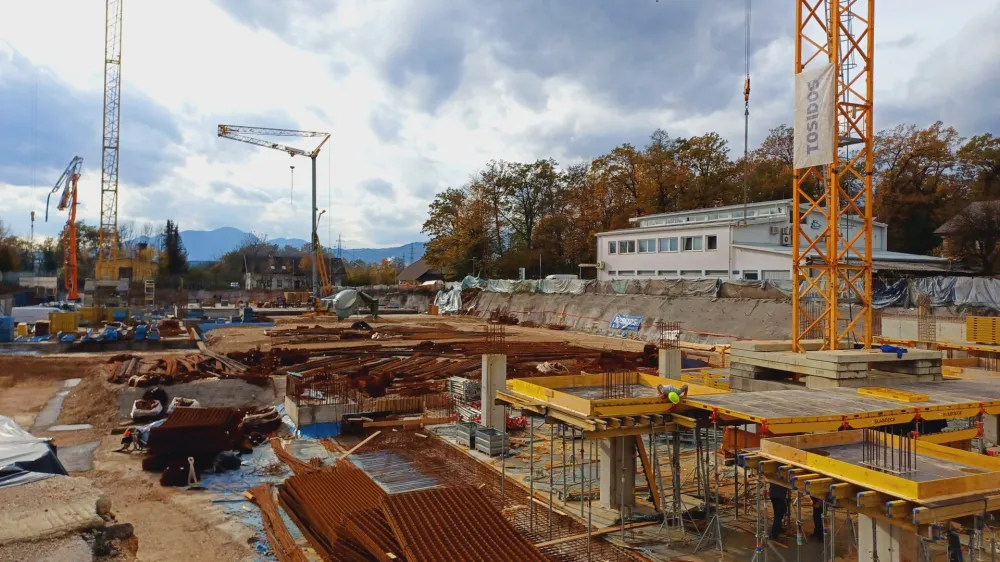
(834, 130)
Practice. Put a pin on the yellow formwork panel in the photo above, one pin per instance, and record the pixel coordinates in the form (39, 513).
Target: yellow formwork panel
(982, 329)
(796, 451)
(893, 394)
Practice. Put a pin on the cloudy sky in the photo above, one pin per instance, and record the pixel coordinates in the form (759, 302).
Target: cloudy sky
(419, 93)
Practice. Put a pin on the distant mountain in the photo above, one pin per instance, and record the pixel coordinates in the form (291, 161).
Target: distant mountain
(209, 245)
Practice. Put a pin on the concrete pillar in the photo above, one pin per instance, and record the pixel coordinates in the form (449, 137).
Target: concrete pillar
(891, 543)
(670, 363)
(611, 467)
(991, 428)
(494, 379)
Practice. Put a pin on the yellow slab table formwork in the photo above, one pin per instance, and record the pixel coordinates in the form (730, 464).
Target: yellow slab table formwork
(573, 399)
(952, 484)
(783, 412)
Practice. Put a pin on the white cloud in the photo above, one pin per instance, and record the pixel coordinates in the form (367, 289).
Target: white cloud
(326, 70)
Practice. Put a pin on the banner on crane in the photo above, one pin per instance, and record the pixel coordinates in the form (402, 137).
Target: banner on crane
(815, 120)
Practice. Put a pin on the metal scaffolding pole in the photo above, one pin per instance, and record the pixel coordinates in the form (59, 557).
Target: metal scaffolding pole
(590, 499)
(551, 483)
(562, 427)
(531, 472)
(503, 454)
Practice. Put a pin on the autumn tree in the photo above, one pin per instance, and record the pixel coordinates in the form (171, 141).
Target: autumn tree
(914, 183)
(974, 236)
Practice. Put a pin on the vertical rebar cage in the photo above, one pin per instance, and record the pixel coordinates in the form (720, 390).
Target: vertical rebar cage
(668, 334)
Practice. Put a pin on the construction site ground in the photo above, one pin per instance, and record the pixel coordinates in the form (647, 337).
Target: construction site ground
(178, 524)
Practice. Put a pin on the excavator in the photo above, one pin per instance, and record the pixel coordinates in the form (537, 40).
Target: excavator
(67, 182)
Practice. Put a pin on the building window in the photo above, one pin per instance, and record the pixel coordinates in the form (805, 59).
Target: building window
(279, 283)
(647, 245)
(626, 246)
(612, 273)
(750, 276)
(667, 273)
(612, 247)
(716, 273)
(626, 273)
(668, 244)
(690, 273)
(691, 243)
(712, 242)
(776, 274)
(646, 273)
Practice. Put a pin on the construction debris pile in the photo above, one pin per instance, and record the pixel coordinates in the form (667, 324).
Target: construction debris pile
(409, 496)
(146, 370)
(425, 367)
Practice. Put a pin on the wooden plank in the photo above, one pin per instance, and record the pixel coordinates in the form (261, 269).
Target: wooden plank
(358, 446)
(411, 422)
(928, 515)
(647, 467)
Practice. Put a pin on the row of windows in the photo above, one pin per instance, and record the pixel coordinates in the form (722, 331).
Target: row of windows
(748, 275)
(670, 244)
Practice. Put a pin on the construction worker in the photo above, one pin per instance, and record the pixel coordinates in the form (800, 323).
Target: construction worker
(779, 504)
(817, 518)
(672, 393)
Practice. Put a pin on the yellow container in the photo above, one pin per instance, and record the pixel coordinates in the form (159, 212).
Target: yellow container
(64, 321)
(22, 329)
(90, 315)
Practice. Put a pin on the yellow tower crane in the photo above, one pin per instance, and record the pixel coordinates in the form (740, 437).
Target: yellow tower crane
(832, 265)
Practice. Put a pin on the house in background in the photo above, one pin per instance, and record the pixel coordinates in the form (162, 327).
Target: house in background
(731, 242)
(418, 272)
(283, 271)
(977, 224)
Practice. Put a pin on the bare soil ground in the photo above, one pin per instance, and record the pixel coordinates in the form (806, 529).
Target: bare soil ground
(170, 524)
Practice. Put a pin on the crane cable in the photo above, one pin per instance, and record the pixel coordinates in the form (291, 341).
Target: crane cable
(746, 107)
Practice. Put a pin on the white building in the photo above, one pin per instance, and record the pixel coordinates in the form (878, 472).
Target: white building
(720, 243)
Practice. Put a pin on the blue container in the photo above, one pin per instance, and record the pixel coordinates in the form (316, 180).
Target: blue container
(140, 332)
(21, 298)
(6, 329)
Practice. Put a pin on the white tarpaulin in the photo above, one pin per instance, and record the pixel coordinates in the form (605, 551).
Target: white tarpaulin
(815, 121)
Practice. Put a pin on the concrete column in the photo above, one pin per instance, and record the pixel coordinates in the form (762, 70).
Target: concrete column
(991, 428)
(611, 467)
(670, 363)
(891, 543)
(494, 379)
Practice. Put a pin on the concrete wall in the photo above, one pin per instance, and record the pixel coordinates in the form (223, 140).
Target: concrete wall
(717, 320)
(310, 414)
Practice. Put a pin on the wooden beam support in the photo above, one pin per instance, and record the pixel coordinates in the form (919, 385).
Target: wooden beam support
(899, 509)
(768, 468)
(928, 515)
(798, 481)
(818, 487)
(843, 491)
(871, 499)
(647, 467)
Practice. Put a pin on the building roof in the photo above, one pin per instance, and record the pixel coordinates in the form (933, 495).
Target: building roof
(724, 208)
(881, 259)
(951, 225)
(736, 207)
(877, 255)
(415, 271)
